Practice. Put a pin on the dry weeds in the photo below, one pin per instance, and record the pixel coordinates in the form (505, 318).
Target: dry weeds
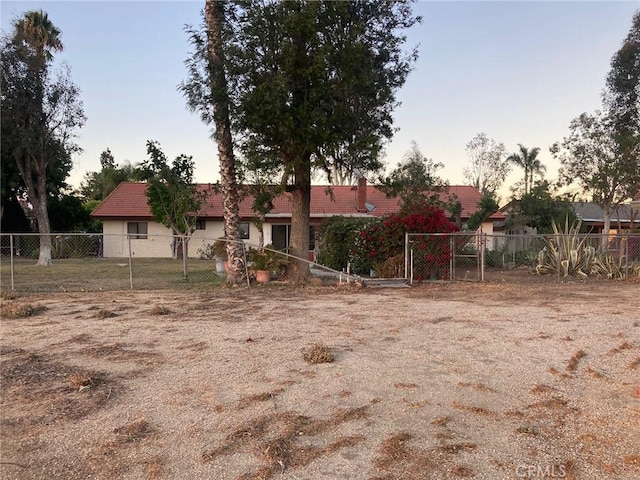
(13, 310)
(574, 360)
(318, 353)
(279, 441)
(159, 310)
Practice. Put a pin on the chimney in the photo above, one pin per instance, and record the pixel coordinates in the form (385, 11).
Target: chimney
(361, 194)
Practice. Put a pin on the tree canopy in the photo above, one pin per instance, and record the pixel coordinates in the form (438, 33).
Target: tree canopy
(306, 78)
(416, 183)
(488, 167)
(41, 112)
(527, 159)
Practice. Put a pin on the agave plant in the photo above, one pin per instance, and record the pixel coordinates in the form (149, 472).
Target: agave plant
(565, 253)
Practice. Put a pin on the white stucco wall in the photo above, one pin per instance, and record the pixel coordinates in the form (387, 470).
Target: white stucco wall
(159, 239)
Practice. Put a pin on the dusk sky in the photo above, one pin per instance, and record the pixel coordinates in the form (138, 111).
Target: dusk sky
(518, 71)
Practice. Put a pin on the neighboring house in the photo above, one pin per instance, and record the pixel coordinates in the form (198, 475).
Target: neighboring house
(125, 211)
(623, 217)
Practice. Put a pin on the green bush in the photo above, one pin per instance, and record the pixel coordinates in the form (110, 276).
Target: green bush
(336, 238)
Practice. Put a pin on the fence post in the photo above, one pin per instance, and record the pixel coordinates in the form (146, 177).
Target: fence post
(406, 257)
(130, 262)
(483, 245)
(411, 280)
(11, 257)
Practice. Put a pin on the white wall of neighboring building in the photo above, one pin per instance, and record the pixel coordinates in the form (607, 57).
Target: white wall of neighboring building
(158, 243)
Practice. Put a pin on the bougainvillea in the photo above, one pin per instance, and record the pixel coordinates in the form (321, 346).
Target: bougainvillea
(380, 246)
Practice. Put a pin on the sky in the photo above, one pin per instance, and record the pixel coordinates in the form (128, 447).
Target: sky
(517, 71)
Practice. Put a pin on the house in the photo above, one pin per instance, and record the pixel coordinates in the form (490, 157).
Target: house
(125, 211)
(624, 217)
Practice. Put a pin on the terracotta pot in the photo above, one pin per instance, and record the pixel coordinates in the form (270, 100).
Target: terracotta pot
(263, 276)
(226, 266)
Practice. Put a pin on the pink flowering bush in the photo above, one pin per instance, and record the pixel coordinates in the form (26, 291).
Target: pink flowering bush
(380, 246)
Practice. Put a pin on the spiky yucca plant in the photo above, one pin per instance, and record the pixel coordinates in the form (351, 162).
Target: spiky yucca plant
(565, 253)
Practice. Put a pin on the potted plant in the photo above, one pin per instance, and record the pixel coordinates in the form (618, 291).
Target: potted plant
(220, 254)
(265, 262)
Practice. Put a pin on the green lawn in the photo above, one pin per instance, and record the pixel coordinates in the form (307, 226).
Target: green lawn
(94, 274)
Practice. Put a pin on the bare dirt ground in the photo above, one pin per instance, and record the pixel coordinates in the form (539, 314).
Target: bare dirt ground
(492, 381)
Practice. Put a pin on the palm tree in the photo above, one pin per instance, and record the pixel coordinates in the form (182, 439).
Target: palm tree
(35, 39)
(215, 18)
(528, 160)
(36, 31)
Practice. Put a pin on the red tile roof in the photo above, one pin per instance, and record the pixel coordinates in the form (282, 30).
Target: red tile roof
(128, 200)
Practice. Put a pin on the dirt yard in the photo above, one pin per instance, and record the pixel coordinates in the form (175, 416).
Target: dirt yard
(488, 381)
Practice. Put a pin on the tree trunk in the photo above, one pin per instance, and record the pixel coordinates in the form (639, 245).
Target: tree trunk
(44, 229)
(37, 194)
(214, 12)
(300, 212)
(607, 226)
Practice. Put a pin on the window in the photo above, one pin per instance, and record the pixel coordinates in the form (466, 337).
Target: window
(281, 236)
(244, 230)
(201, 224)
(137, 229)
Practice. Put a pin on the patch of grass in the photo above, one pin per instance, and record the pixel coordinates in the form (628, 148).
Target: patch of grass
(133, 431)
(480, 387)
(541, 388)
(120, 352)
(441, 421)
(472, 409)
(159, 310)
(318, 353)
(619, 348)
(594, 373)
(49, 388)
(258, 397)
(278, 440)
(462, 471)
(575, 359)
(153, 468)
(20, 310)
(392, 451)
(528, 429)
(405, 385)
(102, 314)
(8, 295)
(454, 448)
(80, 381)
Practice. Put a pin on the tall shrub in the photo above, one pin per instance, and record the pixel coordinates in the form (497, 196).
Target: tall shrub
(336, 238)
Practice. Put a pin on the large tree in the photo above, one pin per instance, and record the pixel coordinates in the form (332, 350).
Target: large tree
(416, 183)
(622, 99)
(173, 196)
(527, 159)
(591, 156)
(540, 208)
(307, 76)
(97, 185)
(488, 167)
(215, 19)
(43, 110)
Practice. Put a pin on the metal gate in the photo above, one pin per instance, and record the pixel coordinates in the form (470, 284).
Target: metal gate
(444, 256)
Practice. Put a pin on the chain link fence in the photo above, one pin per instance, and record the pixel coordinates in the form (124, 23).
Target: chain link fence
(94, 262)
(476, 256)
(444, 256)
